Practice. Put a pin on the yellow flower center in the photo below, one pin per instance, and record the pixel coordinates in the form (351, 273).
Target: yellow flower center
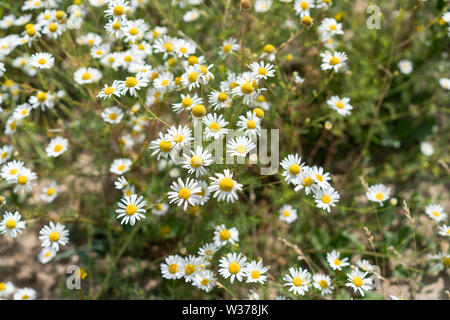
(323, 284)
(214, 127)
(133, 31)
(227, 48)
(22, 179)
(340, 105)
(189, 269)
(204, 282)
(58, 148)
(25, 297)
(326, 199)
(52, 27)
(168, 47)
(42, 61)
(268, 48)
(304, 5)
(13, 171)
(192, 77)
(333, 27)
(435, 213)
(173, 268)
(109, 90)
(121, 167)
(247, 88)
(192, 60)
(258, 112)
(4, 155)
(86, 76)
(319, 177)
(50, 191)
(446, 262)
(199, 110)
(241, 149)
(183, 50)
(226, 184)
(297, 281)
(196, 161)
(379, 196)
(255, 274)
(334, 60)
(41, 96)
(337, 262)
(112, 116)
(186, 102)
(54, 236)
(2, 286)
(165, 82)
(262, 71)
(31, 31)
(10, 224)
(118, 10)
(251, 124)
(234, 267)
(131, 82)
(116, 25)
(165, 146)
(357, 281)
(286, 213)
(184, 193)
(294, 169)
(131, 209)
(225, 235)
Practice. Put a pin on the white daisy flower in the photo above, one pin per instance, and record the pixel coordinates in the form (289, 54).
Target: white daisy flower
(46, 255)
(121, 183)
(112, 115)
(42, 60)
(325, 198)
(117, 9)
(358, 282)
(134, 30)
(250, 124)
(335, 61)
(160, 209)
(262, 5)
(57, 146)
(172, 267)
(25, 181)
(25, 294)
(219, 100)
(162, 146)
(120, 166)
(11, 224)
(208, 250)
(255, 271)
(132, 85)
(197, 162)
(50, 192)
(435, 212)
(378, 193)
(5, 153)
(342, 106)
(6, 288)
(222, 235)
(11, 170)
(187, 102)
(204, 280)
(298, 281)
(164, 82)
(329, 28)
(214, 126)
(184, 193)
(445, 83)
(322, 282)
(287, 213)
(426, 148)
(365, 265)
(131, 208)
(262, 70)
(110, 91)
(293, 168)
(335, 261)
(22, 111)
(191, 77)
(44, 100)
(444, 230)
(405, 66)
(228, 47)
(53, 236)
(180, 136)
(233, 266)
(302, 7)
(240, 146)
(224, 187)
(191, 265)
(320, 177)
(87, 75)
(204, 193)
